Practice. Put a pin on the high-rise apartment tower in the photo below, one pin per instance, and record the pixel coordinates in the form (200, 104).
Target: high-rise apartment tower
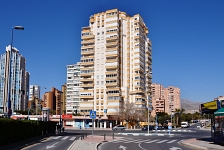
(73, 87)
(116, 61)
(19, 81)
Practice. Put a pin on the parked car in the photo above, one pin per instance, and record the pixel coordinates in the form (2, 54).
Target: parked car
(118, 127)
(145, 128)
(160, 128)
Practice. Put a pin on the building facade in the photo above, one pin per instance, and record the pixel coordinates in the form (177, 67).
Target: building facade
(34, 91)
(53, 100)
(165, 99)
(116, 59)
(73, 88)
(64, 92)
(172, 98)
(18, 83)
(158, 100)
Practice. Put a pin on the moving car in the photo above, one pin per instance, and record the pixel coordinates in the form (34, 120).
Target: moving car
(184, 124)
(118, 127)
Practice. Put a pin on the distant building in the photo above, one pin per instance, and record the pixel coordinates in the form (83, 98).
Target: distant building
(172, 99)
(19, 83)
(34, 91)
(64, 91)
(165, 99)
(53, 100)
(158, 100)
(73, 88)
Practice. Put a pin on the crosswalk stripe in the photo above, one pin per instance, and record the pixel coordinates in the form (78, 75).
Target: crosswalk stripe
(64, 138)
(152, 141)
(72, 138)
(162, 141)
(142, 141)
(171, 141)
(57, 137)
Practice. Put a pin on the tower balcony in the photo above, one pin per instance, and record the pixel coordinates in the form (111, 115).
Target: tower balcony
(84, 85)
(111, 60)
(111, 54)
(112, 44)
(86, 79)
(113, 65)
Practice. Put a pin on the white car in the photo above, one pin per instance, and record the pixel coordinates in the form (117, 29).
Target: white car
(184, 124)
(118, 127)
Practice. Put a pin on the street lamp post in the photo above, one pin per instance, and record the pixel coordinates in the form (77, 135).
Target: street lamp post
(9, 71)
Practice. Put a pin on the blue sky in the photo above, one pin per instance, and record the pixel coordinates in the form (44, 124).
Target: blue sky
(187, 38)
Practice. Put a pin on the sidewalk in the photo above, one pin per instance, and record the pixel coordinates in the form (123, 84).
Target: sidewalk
(90, 143)
(201, 144)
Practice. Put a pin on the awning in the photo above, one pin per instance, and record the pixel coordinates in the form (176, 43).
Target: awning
(219, 112)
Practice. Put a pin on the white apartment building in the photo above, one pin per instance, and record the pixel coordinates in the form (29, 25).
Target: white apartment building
(34, 91)
(116, 58)
(16, 80)
(72, 92)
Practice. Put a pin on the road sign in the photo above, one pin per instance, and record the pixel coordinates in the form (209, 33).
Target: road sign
(92, 114)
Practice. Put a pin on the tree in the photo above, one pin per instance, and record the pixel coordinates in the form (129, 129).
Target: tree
(178, 113)
(162, 117)
(132, 114)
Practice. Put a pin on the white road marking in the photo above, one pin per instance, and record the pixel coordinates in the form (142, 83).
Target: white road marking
(162, 141)
(72, 138)
(64, 138)
(57, 137)
(171, 141)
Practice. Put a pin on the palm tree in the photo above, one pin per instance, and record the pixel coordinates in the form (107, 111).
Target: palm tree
(177, 114)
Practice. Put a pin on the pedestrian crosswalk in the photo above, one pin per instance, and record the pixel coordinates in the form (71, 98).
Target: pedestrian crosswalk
(129, 140)
(72, 138)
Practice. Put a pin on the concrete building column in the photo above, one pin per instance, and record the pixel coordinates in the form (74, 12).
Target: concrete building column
(94, 124)
(100, 124)
(83, 123)
(105, 124)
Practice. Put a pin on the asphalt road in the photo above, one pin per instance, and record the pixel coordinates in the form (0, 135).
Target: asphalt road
(126, 142)
(130, 142)
(61, 142)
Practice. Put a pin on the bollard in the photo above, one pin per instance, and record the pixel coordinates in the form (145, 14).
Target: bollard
(83, 135)
(113, 135)
(104, 137)
(86, 134)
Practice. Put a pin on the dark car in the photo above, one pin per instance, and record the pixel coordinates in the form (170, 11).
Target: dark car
(118, 127)
(160, 127)
(145, 128)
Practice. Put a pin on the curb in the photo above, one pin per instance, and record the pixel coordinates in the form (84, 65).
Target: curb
(193, 146)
